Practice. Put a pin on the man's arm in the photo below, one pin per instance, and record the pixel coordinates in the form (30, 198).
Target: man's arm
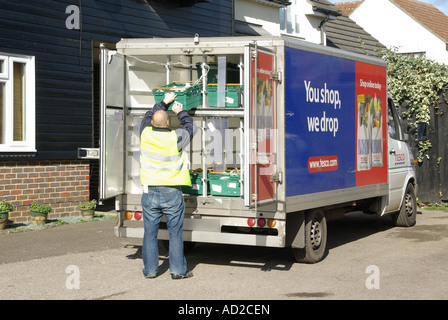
(188, 128)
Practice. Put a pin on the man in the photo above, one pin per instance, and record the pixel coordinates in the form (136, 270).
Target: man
(163, 169)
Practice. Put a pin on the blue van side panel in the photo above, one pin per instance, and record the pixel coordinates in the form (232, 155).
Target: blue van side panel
(320, 110)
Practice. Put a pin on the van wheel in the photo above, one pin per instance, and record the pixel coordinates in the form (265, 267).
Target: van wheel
(407, 215)
(315, 238)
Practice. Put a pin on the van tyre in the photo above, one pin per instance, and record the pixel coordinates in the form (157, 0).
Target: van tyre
(315, 238)
(407, 215)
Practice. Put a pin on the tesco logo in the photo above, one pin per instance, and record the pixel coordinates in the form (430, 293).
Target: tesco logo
(400, 157)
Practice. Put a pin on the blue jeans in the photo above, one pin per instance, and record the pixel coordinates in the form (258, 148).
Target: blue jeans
(157, 202)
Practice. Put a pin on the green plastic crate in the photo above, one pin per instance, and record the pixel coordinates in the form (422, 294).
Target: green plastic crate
(196, 184)
(233, 95)
(224, 184)
(188, 93)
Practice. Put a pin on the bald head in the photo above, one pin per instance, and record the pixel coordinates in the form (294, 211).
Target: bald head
(160, 119)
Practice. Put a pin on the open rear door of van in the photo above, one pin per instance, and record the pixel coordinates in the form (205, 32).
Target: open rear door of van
(262, 138)
(112, 118)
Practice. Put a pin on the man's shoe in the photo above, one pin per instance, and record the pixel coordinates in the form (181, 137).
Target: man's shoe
(179, 276)
(149, 276)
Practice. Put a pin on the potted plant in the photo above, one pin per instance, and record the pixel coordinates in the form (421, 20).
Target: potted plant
(5, 207)
(88, 208)
(38, 212)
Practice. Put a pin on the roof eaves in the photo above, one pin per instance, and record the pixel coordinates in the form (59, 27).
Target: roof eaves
(275, 3)
(325, 8)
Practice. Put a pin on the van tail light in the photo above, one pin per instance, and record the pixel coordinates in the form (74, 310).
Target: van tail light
(271, 223)
(261, 222)
(128, 215)
(251, 222)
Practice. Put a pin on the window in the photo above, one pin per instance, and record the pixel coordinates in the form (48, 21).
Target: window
(393, 121)
(289, 20)
(17, 103)
(415, 55)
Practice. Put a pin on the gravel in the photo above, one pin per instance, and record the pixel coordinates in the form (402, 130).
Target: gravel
(51, 223)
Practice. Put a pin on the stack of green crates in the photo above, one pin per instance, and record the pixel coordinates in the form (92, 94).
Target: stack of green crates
(224, 183)
(196, 183)
(189, 93)
(233, 95)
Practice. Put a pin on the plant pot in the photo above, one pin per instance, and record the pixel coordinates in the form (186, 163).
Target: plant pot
(38, 218)
(3, 219)
(88, 213)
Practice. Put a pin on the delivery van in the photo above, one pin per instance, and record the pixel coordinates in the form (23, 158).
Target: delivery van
(291, 135)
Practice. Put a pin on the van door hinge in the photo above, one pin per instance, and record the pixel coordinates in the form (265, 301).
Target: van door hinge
(277, 177)
(254, 55)
(276, 76)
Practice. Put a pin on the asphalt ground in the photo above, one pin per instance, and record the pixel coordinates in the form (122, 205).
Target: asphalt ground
(368, 259)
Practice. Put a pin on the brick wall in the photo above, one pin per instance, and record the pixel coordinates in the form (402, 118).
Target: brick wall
(61, 184)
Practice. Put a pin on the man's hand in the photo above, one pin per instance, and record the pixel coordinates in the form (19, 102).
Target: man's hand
(169, 97)
(177, 107)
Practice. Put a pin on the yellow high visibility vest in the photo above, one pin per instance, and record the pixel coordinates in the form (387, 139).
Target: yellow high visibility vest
(161, 163)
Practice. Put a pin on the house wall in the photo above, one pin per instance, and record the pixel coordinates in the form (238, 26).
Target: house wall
(260, 14)
(304, 21)
(395, 28)
(66, 95)
(61, 184)
(64, 57)
(308, 22)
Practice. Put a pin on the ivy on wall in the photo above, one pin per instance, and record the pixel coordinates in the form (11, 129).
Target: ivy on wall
(418, 83)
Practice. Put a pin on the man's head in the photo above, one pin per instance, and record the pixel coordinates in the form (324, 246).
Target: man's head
(160, 119)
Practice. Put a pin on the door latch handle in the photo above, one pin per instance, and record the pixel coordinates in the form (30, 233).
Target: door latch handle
(392, 151)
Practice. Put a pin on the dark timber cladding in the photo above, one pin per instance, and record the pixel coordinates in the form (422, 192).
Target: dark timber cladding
(64, 57)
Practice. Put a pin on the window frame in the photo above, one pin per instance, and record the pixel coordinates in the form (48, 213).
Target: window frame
(5, 73)
(394, 122)
(289, 20)
(6, 78)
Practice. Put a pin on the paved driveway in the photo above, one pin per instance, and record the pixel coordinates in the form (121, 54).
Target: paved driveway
(368, 259)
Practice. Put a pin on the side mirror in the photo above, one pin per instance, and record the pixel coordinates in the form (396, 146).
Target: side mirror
(422, 131)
